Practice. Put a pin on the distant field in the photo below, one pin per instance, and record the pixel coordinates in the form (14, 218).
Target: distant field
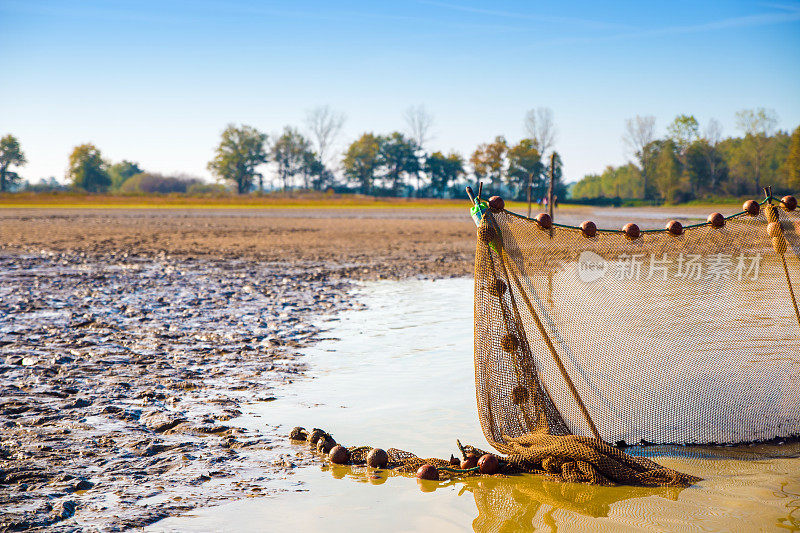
(272, 201)
(295, 201)
(104, 201)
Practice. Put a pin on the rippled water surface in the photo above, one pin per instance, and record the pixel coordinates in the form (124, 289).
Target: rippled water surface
(399, 374)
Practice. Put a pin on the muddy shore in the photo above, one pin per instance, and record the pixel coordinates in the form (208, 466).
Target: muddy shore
(129, 339)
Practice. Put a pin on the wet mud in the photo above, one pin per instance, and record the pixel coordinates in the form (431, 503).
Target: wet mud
(119, 376)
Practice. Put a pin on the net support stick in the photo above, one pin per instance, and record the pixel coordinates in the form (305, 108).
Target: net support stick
(791, 290)
(768, 193)
(571, 386)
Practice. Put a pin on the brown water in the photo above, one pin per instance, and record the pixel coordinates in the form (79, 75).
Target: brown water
(399, 374)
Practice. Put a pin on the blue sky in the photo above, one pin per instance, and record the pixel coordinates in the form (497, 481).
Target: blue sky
(157, 81)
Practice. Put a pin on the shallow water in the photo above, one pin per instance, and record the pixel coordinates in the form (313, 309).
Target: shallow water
(400, 374)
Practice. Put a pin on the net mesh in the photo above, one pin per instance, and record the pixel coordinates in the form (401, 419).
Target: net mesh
(688, 339)
(584, 339)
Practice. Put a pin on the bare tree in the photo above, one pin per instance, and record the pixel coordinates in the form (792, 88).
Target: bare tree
(639, 133)
(541, 127)
(713, 133)
(757, 125)
(712, 136)
(325, 125)
(419, 122)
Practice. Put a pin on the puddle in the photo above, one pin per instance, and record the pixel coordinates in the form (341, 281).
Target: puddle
(400, 374)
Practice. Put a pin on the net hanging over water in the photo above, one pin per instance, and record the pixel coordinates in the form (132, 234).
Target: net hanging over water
(679, 336)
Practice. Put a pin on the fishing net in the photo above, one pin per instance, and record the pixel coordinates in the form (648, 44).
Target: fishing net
(568, 458)
(586, 337)
(689, 336)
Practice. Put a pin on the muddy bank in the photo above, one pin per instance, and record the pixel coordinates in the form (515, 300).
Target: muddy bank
(118, 376)
(366, 244)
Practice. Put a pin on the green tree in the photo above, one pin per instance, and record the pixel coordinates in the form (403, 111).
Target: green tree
(667, 171)
(489, 161)
(705, 167)
(443, 170)
(683, 131)
(559, 189)
(525, 168)
(479, 162)
(398, 157)
(87, 169)
(361, 160)
(10, 156)
(238, 155)
(623, 182)
(120, 172)
(291, 152)
(793, 162)
(757, 125)
(314, 173)
(496, 159)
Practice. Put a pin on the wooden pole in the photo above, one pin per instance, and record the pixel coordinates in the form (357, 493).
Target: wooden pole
(530, 182)
(768, 193)
(571, 386)
(550, 191)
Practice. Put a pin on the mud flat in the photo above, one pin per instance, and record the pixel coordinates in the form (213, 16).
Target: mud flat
(118, 375)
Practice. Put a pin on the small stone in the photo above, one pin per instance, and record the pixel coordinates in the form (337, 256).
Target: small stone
(631, 231)
(488, 464)
(589, 229)
(377, 458)
(752, 208)
(64, 509)
(544, 221)
(496, 204)
(159, 421)
(81, 484)
(675, 228)
(789, 203)
(78, 403)
(716, 220)
(339, 455)
(428, 472)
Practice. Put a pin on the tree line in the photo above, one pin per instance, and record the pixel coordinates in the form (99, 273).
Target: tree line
(686, 164)
(391, 164)
(681, 166)
(397, 163)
